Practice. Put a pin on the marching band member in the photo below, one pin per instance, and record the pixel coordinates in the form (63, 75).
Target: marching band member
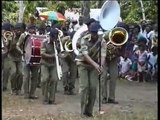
(5, 59)
(110, 73)
(41, 31)
(15, 60)
(88, 68)
(48, 68)
(69, 70)
(28, 67)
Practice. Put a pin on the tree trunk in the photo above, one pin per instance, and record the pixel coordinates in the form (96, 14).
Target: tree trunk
(142, 8)
(85, 9)
(21, 11)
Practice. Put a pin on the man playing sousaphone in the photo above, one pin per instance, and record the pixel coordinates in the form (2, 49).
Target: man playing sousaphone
(89, 68)
(28, 67)
(48, 67)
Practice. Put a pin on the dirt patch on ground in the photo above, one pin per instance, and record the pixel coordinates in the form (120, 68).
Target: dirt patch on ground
(137, 101)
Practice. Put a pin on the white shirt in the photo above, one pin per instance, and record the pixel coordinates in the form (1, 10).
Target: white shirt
(77, 26)
(152, 58)
(151, 34)
(141, 56)
(125, 64)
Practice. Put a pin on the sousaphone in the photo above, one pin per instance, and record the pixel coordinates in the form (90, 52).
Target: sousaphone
(109, 17)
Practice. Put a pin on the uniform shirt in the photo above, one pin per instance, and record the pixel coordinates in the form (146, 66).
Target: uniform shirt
(47, 48)
(22, 39)
(13, 53)
(86, 45)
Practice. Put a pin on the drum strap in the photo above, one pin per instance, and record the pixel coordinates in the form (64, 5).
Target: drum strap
(25, 43)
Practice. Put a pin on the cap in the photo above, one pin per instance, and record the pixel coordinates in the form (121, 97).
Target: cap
(20, 26)
(30, 26)
(94, 27)
(89, 21)
(53, 32)
(7, 26)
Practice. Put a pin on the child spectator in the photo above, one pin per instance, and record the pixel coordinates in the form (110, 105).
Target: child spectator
(142, 59)
(124, 66)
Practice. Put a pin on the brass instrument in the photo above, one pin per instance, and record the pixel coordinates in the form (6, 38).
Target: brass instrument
(65, 43)
(68, 46)
(108, 18)
(58, 66)
(115, 39)
(8, 35)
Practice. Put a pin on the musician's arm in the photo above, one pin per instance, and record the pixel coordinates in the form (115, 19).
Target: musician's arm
(44, 54)
(19, 43)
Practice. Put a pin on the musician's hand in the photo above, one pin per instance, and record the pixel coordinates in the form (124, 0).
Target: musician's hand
(98, 68)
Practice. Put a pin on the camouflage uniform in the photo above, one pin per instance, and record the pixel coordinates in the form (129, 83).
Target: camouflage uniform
(88, 76)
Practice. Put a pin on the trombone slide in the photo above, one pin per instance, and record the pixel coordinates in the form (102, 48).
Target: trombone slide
(59, 69)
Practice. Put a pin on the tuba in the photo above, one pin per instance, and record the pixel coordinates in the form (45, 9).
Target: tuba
(108, 19)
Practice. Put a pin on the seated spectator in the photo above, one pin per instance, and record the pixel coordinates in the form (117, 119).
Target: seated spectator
(132, 76)
(124, 65)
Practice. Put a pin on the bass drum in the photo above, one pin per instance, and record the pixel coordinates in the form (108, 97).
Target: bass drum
(32, 49)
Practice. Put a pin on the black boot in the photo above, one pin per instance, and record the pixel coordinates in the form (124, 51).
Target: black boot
(112, 101)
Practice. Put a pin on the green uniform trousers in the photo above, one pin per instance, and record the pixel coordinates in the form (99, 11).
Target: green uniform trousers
(112, 69)
(16, 76)
(48, 82)
(5, 71)
(30, 79)
(69, 77)
(88, 80)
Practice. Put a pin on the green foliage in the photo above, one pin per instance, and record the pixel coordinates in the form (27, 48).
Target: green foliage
(9, 11)
(132, 13)
(130, 10)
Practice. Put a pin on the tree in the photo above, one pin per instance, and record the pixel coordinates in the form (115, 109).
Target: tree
(21, 11)
(85, 9)
(142, 8)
